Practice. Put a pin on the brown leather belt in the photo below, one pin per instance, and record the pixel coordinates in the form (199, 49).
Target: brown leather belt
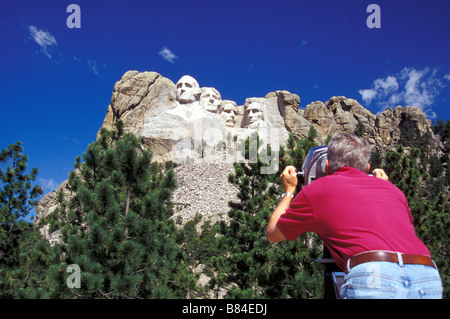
(392, 257)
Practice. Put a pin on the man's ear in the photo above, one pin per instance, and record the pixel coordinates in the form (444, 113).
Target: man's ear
(368, 168)
(327, 167)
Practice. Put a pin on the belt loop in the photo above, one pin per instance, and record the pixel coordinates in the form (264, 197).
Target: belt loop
(435, 266)
(400, 259)
(348, 265)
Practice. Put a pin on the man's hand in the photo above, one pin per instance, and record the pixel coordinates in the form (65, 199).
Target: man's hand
(289, 179)
(380, 173)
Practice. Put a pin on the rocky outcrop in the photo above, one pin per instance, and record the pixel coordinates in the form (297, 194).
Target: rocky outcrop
(136, 94)
(46, 206)
(204, 190)
(383, 131)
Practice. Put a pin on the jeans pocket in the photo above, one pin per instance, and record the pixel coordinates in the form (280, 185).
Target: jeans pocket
(370, 286)
(355, 291)
(430, 293)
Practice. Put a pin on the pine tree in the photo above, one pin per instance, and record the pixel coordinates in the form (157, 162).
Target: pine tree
(116, 227)
(243, 238)
(18, 196)
(256, 268)
(203, 250)
(430, 214)
(305, 279)
(297, 149)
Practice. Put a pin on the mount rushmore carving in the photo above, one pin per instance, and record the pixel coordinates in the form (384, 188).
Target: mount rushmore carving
(186, 122)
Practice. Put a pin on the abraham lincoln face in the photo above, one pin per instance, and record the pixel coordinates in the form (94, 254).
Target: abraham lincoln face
(253, 114)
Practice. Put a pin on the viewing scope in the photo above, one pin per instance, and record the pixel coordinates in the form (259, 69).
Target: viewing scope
(313, 166)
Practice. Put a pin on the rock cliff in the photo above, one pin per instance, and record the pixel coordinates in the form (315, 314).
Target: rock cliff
(192, 125)
(150, 106)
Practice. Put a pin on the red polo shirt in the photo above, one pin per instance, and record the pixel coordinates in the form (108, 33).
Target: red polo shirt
(353, 212)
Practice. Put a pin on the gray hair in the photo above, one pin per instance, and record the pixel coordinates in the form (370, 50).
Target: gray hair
(349, 150)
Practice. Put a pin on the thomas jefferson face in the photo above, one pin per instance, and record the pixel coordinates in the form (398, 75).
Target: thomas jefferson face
(228, 113)
(188, 90)
(254, 114)
(210, 99)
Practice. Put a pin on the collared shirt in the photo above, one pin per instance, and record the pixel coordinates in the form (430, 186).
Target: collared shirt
(353, 212)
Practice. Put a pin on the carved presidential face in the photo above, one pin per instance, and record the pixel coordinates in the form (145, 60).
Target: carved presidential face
(188, 90)
(210, 99)
(228, 113)
(253, 112)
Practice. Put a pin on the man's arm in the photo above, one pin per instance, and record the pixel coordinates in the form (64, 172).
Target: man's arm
(289, 180)
(273, 232)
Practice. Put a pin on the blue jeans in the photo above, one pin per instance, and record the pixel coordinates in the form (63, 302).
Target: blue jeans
(386, 280)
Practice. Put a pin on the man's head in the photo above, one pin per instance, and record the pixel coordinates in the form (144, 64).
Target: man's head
(348, 150)
(188, 90)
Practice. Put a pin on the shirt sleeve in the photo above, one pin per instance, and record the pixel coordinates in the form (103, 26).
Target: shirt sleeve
(298, 219)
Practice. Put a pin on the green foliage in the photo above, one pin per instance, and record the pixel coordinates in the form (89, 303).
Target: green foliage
(116, 227)
(253, 266)
(297, 149)
(18, 196)
(116, 224)
(376, 159)
(360, 129)
(429, 205)
(443, 129)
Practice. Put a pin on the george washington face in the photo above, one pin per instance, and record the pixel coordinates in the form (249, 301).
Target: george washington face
(188, 90)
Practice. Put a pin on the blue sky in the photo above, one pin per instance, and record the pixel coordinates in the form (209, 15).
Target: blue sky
(56, 82)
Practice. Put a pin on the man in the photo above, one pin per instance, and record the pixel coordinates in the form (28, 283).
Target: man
(364, 221)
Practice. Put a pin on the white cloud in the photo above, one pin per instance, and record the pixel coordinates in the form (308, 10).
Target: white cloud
(381, 88)
(93, 66)
(388, 84)
(167, 55)
(420, 89)
(49, 185)
(447, 77)
(44, 39)
(409, 87)
(368, 95)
